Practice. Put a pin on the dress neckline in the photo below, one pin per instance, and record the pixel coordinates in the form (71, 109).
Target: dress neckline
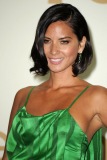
(67, 108)
(55, 112)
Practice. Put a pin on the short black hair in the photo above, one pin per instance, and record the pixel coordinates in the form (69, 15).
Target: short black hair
(72, 16)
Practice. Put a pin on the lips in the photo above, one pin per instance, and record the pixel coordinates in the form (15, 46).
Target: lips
(55, 60)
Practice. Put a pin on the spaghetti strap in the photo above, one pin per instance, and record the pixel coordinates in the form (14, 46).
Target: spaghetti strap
(68, 106)
(29, 95)
(77, 97)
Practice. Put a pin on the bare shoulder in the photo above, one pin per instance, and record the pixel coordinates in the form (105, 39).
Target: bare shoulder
(98, 92)
(19, 101)
(21, 95)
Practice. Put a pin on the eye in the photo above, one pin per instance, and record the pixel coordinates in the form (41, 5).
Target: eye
(65, 41)
(46, 41)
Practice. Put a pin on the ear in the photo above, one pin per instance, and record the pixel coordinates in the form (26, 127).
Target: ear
(82, 44)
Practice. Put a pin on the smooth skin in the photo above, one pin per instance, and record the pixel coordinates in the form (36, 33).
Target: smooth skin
(61, 47)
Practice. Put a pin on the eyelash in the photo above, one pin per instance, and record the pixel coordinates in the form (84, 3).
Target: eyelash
(64, 42)
(46, 41)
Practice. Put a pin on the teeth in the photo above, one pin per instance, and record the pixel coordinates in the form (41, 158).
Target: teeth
(56, 60)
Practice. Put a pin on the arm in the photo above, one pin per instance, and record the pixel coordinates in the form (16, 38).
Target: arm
(19, 101)
(103, 107)
(101, 104)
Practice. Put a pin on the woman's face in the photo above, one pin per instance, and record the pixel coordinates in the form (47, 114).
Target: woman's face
(61, 47)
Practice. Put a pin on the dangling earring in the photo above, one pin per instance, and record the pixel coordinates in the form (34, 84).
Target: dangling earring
(79, 57)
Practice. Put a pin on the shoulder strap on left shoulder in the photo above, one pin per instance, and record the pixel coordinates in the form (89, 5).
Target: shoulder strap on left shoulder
(29, 95)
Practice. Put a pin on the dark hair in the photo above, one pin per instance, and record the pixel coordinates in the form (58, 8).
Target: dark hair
(71, 15)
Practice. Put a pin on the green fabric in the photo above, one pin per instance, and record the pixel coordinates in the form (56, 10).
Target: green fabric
(53, 136)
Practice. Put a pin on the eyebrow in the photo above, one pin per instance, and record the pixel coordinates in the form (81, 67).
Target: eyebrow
(64, 38)
(60, 38)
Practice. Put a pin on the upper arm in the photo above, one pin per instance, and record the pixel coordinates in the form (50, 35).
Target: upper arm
(19, 101)
(14, 109)
(103, 107)
(16, 105)
(101, 104)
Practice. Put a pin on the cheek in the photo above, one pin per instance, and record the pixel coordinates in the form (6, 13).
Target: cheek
(45, 50)
(72, 51)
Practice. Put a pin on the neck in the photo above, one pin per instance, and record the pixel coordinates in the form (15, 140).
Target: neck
(58, 80)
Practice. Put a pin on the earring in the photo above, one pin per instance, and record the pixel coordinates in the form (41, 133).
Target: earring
(79, 57)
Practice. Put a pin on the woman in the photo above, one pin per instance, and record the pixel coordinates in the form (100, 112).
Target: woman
(60, 119)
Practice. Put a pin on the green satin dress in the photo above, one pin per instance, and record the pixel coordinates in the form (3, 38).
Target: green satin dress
(53, 136)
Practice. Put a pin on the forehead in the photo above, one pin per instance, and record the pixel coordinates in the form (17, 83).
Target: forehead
(59, 27)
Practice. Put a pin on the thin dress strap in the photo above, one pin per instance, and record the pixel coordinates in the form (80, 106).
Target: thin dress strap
(29, 95)
(80, 94)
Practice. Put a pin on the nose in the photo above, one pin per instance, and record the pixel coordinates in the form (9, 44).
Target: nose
(54, 49)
